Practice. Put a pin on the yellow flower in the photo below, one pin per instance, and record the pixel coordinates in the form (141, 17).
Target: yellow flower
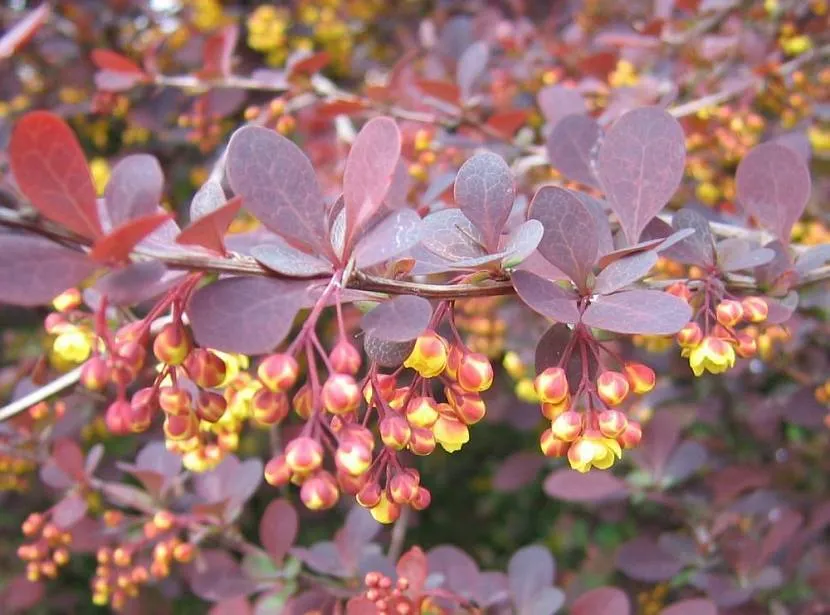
(429, 356)
(73, 345)
(593, 451)
(450, 433)
(100, 169)
(712, 354)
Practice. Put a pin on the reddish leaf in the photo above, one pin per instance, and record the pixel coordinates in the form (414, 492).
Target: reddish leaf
(442, 90)
(216, 577)
(640, 165)
(20, 595)
(507, 123)
(413, 567)
(624, 271)
(572, 146)
(134, 189)
(106, 59)
(209, 230)
(484, 191)
(352, 539)
(278, 185)
(557, 101)
(34, 270)
(246, 315)
(50, 169)
(117, 245)
(517, 471)
(647, 312)
(660, 439)
(773, 184)
(341, 107)
(471, 65)
(695, 606)
(308, 63)
(69, 511)
(546, 297)
(530, 570)
(392, 236)
(361, 606)
(602, 601)
(70, 458)
(369, 168)
(232, 606)
(217, 53)
(278, 528)
(570, 241)
(460, 571)
(643, 559)
(398, 320)
(23, 30)
(573, 486)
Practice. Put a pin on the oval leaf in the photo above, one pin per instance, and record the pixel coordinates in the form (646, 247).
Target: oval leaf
(642, 559)
(558, 102)
(278, 256)
(208, 198)
(23, 30)
(572, 486)
(451, 235)
(697, 249)
(522, 243)
(246, 315)
(402, 319)
(484, 192)
(602, 601)
(391, 237)
(572, 147)
(773, 184)
(624, 271)
(530, 570)
(546, 297)
(386, 354)
(278, 528)
(369, 169)
(570, 241)
(50, 169)
(278, 185)
(471, 65)
(134, 188)
(640, 166)
(647, 312)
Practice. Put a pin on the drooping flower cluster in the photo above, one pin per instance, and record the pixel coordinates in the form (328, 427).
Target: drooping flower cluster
(48, 549)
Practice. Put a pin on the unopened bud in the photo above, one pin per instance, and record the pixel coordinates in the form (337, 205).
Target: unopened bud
(278, 372)
(551, 385)
(345, 358)
(395, 431)
(268, 407)
(612, 387)
(729, 312)
(475, 373)
(172, 344)
(641, 377)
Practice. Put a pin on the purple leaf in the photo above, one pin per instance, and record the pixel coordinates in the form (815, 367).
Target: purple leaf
(602, 601)
(518, 470)
(134, 189)
(780, 267)
(484, 192)
(34, 270)
(93, 458)
(207, 199)
(278, 185)
(572, 486)
(530, 570)
(781, 309)
(20, 595)
(385, 353)
(735, 254)
(546, 602)
(659, 441)
(522, 243)
(624, 271)
(647, 312)
(392, 236)
(556, 102)
(773, 184)
(687, 459)
(322, 557)
(640, 165)
(697, 249)
(369, 169)
(610, 257)
(137, 282)
(69, 511)
(694, 606)
(21, 32)
(451, 235)
(399, 320)
(155, 457)
(550, 349)
(471, 65)
(570, 241)
(598, 210)
(642, 559)
(216, 576)
(571, 146)
(277, 255)
(460, 571)
(545, 297)
(278, 528)
(245, 315)
(359, 530)
(812, 257)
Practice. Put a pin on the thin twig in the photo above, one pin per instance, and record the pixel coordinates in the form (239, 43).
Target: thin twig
(398, 539)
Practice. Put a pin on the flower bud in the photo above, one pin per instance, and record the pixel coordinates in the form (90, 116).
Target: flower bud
(551, 385)
(353, 456)
(395, 431)
(475, 373)
(206, 368)
(386, 383)
(421, 412)
(142, 408)
(269, 408)
(567, 426)
(302, 402)
(116, 417)
(345, 358)
(729, 312)
(402, 488)
(550, 410)
(755, 309)
(612, 387)
(351, 484)
(454, 357)
(341, 394)
(385, 511)
(612, 423)
(95, 374)
(129, 359)
(422, 441)
(278, 372)
(277, 471)
(179, 427)
(172, 344)
(358, 432)
(429, 355)
(469, 408)
(319, 491)
(304, 455)
(450, 432)
(747, 346)
(422, 499)
(631, 436)
(210, 406)
(680, 290)
(641, 377)
(513, 365)
(69, 299)
(369, 496)
(175, 401)
(552, 446)
(690, 336)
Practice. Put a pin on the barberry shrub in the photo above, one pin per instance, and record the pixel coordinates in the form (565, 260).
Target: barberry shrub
(317, 290)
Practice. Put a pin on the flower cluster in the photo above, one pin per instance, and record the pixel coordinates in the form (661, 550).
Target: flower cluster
(48, 548)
